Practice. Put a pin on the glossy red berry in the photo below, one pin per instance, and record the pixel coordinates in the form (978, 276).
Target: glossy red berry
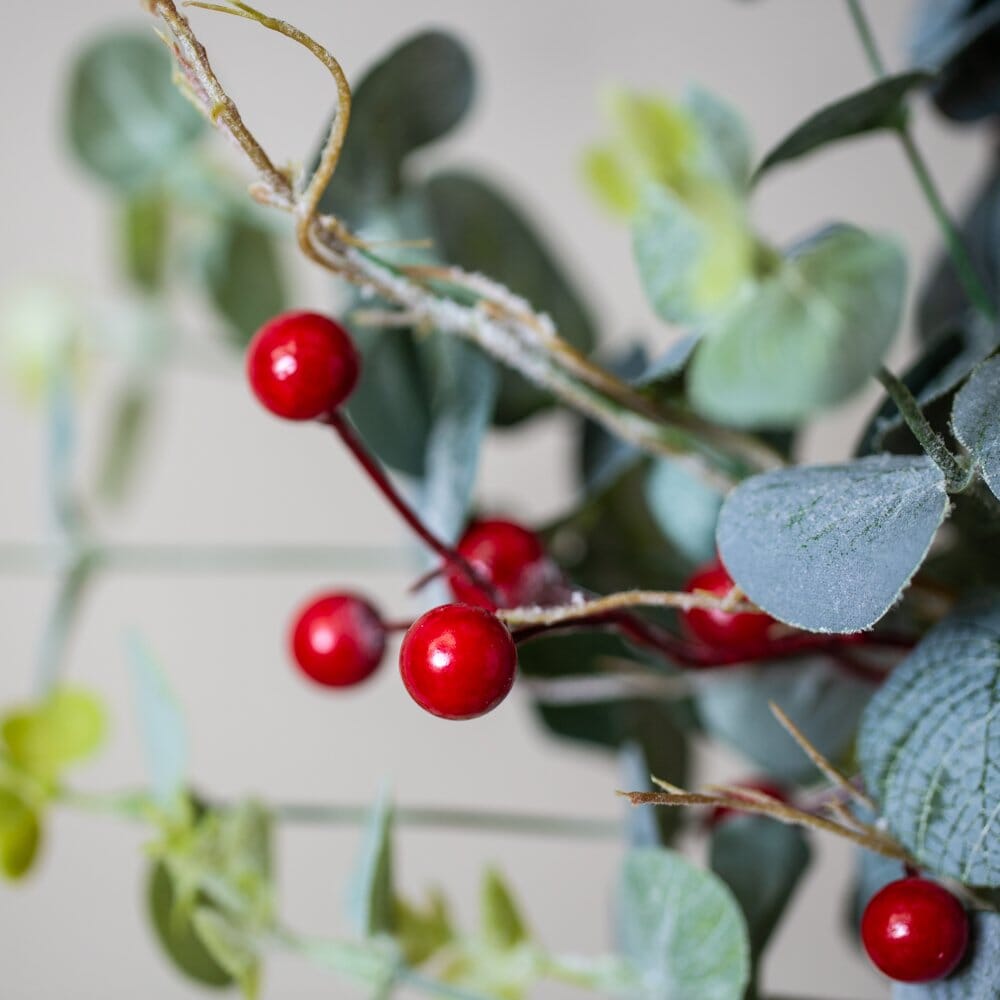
(337, 639)
(721, 813)
(302, 365)
(507, 556)
(458, 661)
(915, 931)
(720, 629)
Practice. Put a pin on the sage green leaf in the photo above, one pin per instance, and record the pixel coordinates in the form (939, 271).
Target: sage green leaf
(43, 739)
(681, 929)
(685, 509)
(929, 743)
(127, 123)
(418, 93)
(371, 897)
(161, 725)
(131, 415)
(243, 276)
(830, 548)
(143, 238)
(231, 948)
(976, 978)
(876, 108)
(501, 923)
(20, 834)
(762, 862)
(976, 420)
(734, 707)
(176, 934)
(724, 148)
(480, 229)
(808, 336)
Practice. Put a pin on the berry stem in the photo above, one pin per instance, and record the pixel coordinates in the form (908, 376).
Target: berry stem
(384, 484)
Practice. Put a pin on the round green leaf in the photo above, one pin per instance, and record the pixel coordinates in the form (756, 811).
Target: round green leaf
(830, 548)
(681, 929)
(976, 420)
(930, 742)
(685, 509)
(20, 834)
(126, 119)
(176, 933)
(806, 337)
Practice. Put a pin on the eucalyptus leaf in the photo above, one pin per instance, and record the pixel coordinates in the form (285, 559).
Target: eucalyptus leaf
(734, 706)
(976, 420)
(681, 928)
(161, 725)
(176, 934)
(762, 862)
(126, 121)
(480, 229)
(976, 978)
(243, 276)
(685, 509)
(808, 336)
(418, 93)
(371, 899)
(231, 948)
(830, 548)
(20, 834)
(143, 238)
(724, 149)
(878, 107)
(929, 741)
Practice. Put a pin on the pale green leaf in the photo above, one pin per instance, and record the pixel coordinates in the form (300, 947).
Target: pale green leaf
(371, 899)
(231, 948)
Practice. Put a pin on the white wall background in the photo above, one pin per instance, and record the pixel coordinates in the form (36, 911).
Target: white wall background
(222, 470)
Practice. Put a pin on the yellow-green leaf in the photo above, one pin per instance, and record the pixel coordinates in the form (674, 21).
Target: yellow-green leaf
(20, 833)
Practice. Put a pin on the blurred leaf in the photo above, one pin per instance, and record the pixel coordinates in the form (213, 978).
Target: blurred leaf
(762, 862)
(927, 739)
(724, 148)
(734, 705)
(878, 107)
(421, 932)
(685, 509)
(231, 948)
(808, 337)
(480, 229)
(641, 825)
(976, 977)
(243, 276)
(961, 39)
(501, 923)
(126, 120)
(176, 933)
(976, 420)
(830, 548)
(161, 725)
(20, 834)
(681, 928)
(371, 899)
(143, 235)
(418, 93)
(67, 726)
(132, 411)
(874, 871)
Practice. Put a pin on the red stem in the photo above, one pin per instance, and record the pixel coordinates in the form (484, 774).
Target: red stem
(377, 474)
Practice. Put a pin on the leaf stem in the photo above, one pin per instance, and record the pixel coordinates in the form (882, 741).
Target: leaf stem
(957, 477)
(970, 280)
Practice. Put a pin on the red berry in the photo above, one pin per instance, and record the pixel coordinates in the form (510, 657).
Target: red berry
(458, 661)
(338, 639)
(720, 629)
(302, 365)
(507, 556)
(915, 931)
(721, 813)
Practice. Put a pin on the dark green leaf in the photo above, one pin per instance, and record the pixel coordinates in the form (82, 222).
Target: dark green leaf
(976, 420)
(762, 862)
(371, 897)
(127, 122)
(681, 929)
(143, 235)
(830, 548)
(480, 229)
(734, 706)
(878, 107)
(929, 742)
(415, 95)
(176, 934)
(243, 276)
(20, 834)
